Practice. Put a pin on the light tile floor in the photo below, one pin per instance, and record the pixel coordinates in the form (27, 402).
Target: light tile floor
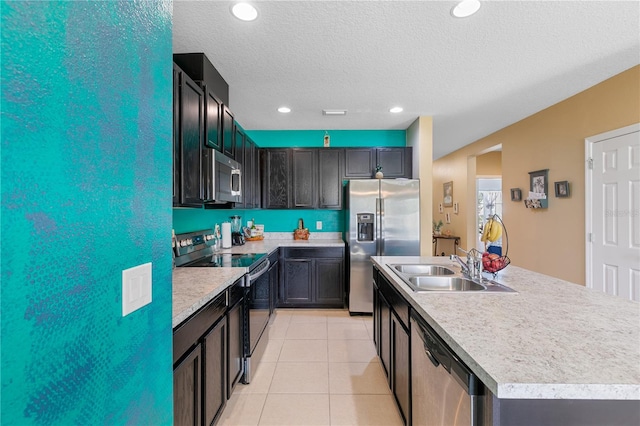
(320, 368)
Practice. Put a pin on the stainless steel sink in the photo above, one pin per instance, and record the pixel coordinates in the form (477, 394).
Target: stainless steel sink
(443, 279)
(422, 269)
(444, 284)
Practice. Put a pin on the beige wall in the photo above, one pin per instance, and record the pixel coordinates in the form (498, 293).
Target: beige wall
(550, 241)
(420, 138)
(489, 164)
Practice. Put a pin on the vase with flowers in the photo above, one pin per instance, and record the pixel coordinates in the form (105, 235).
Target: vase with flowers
(437, 227)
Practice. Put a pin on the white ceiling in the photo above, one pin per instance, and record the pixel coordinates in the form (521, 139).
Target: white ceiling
(474, 75)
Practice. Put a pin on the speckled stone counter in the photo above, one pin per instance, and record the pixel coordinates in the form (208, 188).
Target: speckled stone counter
(194, 287)
(551, 340)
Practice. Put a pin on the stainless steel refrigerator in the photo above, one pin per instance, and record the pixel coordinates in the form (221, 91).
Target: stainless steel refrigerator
(383, 217)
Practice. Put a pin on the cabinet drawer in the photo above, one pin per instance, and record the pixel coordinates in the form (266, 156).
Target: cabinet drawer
(397, 302)
(313, 252)
(188, 333)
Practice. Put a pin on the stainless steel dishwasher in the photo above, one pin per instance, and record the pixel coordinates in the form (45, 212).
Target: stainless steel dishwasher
(444, 391)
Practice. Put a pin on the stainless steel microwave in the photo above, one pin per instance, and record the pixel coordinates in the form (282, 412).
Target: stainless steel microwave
(223, 179)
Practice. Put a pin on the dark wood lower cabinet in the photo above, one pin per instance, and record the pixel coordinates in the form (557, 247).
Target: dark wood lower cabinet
(186, 389)
(391, 327)
(400, 365)
(235, 317)
(312, 277)
(214, 397)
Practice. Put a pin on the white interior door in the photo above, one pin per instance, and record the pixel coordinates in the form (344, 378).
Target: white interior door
(613, 213)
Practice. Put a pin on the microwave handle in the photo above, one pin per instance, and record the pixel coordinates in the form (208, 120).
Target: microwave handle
(239, 191)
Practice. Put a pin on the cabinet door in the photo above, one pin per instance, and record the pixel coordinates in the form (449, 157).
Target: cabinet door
(186, 390)
(395, 162)
(330, 174)
(243, 156)
(213, 120)
(400, 363)
(385, 335)
(255, 183)
(304, 173)
(329, 282)
(177, 75)
(214, 396)
(296, 282)
(191, 135)
(236, 368)
(275, 178)
(227, 131)
(359, 162)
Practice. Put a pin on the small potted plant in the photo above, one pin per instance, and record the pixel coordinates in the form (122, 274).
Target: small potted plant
(437, 227)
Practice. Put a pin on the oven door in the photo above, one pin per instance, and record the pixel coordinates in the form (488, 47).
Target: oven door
(258, 296)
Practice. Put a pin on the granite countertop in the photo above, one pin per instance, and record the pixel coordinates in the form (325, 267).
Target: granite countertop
(552, 340)
(193, 288)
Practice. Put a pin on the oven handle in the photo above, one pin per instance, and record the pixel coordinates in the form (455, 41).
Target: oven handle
(253, 277)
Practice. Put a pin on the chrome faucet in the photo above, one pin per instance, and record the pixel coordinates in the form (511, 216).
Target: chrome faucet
(472, 268)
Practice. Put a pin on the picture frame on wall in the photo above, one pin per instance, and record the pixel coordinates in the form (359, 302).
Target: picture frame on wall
(516, 194)
(447, 189)
(539, 182)
(455, 208)
(562, 189)
(440, 208)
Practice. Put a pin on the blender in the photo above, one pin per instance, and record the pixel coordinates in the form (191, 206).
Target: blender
(237, 236)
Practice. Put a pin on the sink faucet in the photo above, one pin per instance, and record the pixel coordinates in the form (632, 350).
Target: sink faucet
(473, 266)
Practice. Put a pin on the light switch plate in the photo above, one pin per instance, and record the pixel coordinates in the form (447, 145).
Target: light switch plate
(318, 225)
(136, 288)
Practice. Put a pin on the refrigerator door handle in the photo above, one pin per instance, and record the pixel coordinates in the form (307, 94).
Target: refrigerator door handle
(380, 231)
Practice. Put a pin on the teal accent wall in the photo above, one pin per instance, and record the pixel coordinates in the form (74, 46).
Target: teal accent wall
(186, 220)
(86, 167)
(338, 138)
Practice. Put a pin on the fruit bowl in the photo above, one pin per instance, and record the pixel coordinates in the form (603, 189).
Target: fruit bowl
(494, 230)
(493, 263)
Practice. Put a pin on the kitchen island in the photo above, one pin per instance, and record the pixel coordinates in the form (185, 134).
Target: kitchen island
(551, 344)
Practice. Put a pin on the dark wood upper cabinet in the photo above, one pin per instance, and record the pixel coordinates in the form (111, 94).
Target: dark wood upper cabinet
(359, 162)
(213, 119)
(177, 74)
(228, 131)
(276, 178)
(395, 162)
(191, 116)
(330, 176)
(362, 162)
(304, 178)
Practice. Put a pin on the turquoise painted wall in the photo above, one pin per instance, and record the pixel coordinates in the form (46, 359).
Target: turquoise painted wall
(86, 192)
(186, 220)
(338, 138)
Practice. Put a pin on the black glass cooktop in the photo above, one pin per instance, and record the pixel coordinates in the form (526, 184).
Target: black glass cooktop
(216, 260)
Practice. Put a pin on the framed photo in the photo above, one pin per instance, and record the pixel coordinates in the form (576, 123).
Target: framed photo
(447, 189)
(455, 208)
(448, 217)
(516, 194)
(562, 189)
(440, 208)
(539, 181)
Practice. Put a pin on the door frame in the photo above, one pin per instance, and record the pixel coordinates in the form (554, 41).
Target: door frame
(588, 171)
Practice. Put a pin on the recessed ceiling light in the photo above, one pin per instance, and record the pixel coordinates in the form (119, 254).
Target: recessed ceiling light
(334, 112)
(284, 110)
(244, 11)
(465, 8)
(396, 110)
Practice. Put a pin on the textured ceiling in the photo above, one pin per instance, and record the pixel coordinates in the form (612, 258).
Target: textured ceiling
(474, 75)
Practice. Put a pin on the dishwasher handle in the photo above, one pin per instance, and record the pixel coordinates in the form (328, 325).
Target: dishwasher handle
(433, 360)
(256, 275)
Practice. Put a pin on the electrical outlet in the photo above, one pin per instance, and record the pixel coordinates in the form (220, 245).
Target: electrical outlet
(318, 225)
(136, 288)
